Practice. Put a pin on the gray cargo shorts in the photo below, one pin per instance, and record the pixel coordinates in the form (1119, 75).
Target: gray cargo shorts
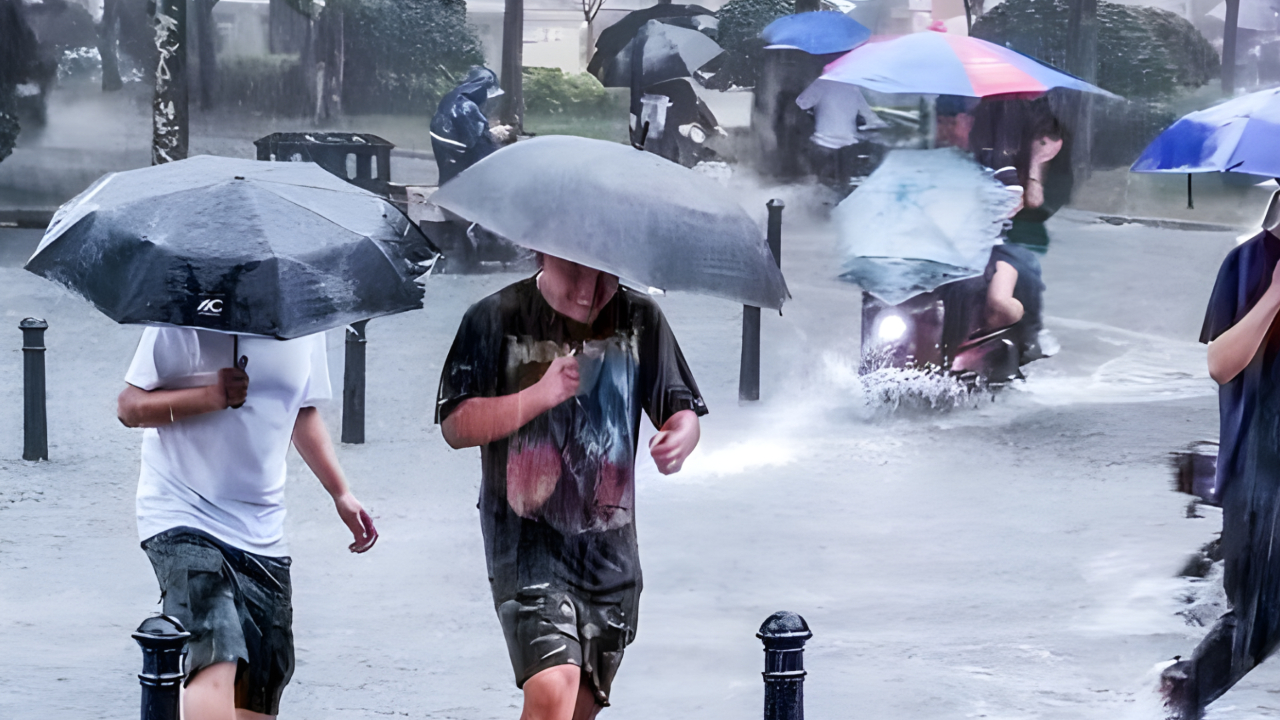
(237, 607)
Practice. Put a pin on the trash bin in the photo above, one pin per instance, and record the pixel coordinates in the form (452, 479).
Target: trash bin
(361, 159)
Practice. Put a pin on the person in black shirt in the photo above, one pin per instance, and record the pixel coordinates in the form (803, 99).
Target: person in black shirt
(549, 376)
(1243, 349)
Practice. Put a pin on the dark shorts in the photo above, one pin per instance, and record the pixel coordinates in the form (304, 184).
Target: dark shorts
(547, 626)
(235, 604)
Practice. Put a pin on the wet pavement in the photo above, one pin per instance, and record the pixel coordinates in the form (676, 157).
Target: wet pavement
(1013, 560)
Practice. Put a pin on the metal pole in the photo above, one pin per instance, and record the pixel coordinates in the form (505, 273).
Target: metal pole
(749, 365)
(353, 385)
(163, 641)
(35, 430)
(784, 635)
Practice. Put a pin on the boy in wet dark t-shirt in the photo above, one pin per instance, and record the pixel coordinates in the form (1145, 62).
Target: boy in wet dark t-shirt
(548, 376)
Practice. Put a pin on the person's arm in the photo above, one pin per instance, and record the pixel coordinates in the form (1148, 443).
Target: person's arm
(153, 408)
(481, 420)
(1234, 349)
(311, 438)
(675, 441)
(1003, 309)
(1043, 149)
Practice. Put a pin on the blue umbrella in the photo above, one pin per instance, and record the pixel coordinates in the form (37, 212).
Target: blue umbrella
(1240, 135)
(817, 33)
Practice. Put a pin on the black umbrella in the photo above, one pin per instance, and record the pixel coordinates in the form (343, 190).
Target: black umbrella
(665, 52)
(626, 212)
(281, 249)
(617, 36)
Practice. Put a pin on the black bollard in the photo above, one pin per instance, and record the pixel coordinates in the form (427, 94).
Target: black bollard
(35, 430)
(163, 642)
(784, 635)
(749, 367)
(353, 385)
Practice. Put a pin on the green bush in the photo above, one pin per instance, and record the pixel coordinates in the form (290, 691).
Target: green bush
(269, 84)
(552, 91)
(1143, 52)
(403, 55)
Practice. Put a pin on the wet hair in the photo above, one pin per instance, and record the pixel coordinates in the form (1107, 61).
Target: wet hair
(1004, 129)
(952, 105)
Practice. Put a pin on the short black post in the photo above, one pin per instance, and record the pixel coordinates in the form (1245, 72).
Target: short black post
(163, 641)
(749, 367)
(784, 635)
(35, 445)
(353, 385)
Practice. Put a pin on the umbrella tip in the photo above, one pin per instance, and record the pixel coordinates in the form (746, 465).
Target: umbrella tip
(239, 177)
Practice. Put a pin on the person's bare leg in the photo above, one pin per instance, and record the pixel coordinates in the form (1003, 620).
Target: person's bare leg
(552, 694)
(586, 707)
(242, 714)
(211, 694)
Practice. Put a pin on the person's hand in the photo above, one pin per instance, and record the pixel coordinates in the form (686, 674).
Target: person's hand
(357, 521)
(1044, 149)
(560, 381)
(231, 389)
(678, 437)
(502, 134)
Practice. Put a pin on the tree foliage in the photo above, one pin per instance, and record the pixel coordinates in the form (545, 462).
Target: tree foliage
(1143, 52)
(552, 91)
(404, 55)
(742, 20)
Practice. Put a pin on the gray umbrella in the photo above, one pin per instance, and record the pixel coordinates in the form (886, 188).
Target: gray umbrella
(666, 52)
(281, 249)
(630, 213)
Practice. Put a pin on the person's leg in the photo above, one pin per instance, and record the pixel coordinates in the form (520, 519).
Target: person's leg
(210, 695)
(553, 694)
(242, 714)
(587, 705)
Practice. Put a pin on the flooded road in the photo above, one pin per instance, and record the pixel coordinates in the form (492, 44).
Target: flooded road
(1017, 559)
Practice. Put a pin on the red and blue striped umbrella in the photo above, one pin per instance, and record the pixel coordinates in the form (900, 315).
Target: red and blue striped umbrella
(935, 63)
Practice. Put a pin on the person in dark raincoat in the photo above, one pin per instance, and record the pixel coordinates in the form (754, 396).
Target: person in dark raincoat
(549, 377)
(1243, 351)
(460, 133)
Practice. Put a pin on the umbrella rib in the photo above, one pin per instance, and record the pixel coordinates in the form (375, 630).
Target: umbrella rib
(362, 236)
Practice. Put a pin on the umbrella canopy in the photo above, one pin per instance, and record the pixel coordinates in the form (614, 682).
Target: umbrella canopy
(935, 63)
(923, 218)
(647, 220)
(817, 33)
(282, 249)
(1240, 135)
(666, 52)
(617, 36)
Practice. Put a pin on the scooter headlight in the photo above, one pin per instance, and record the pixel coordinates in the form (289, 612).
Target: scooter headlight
(891, 328)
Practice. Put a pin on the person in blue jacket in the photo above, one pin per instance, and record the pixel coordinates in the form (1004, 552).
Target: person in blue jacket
(460, 133)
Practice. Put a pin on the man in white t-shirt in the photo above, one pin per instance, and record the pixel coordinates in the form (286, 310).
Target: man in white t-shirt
(211, 500)
(836, 108)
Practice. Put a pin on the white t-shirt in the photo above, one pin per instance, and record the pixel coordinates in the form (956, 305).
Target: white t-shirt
(836, 107)
(224, 472)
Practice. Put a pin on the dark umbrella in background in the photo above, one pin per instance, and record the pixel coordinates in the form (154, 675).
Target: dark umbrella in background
(647, 220)
(280, 249)
(615, 38)
(665, 52)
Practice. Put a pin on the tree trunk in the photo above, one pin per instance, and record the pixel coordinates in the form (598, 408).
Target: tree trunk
(1229, 47)
(206, 51)
(1082, 61)
(108, 42)
(333, 56)
(169, 130)
(513, 65)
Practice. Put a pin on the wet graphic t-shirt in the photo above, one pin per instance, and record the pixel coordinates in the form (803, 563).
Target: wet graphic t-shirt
(557, 500)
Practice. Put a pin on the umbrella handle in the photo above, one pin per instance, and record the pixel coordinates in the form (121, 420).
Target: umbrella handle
(644, 135)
